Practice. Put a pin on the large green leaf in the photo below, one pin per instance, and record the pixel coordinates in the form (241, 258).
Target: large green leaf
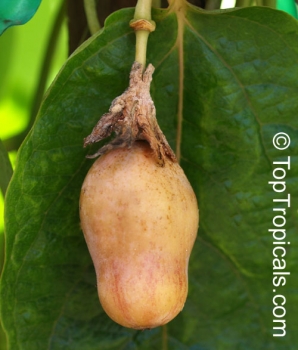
(225, 84)
(16, 12)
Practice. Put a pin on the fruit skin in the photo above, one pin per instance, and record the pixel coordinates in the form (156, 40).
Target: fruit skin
(140, 222)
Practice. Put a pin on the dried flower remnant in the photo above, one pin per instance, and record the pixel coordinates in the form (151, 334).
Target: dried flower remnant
(132, 117)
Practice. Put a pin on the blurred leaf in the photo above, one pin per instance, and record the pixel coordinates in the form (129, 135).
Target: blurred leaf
(16, 12)
(12, 158)
(3, 344)
(7, 42)
(288, 6)
(5, 169)
(225, 83)
(22, 52)
(5, 176)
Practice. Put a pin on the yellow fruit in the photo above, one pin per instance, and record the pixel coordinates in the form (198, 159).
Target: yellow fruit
(140, 222)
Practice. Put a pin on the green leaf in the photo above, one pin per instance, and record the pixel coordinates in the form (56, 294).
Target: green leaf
(5, 169)
(225, 84)
(5, 176)
(16, 12)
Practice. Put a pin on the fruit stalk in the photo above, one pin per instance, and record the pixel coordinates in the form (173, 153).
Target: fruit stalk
(143, 26)
(132, 115)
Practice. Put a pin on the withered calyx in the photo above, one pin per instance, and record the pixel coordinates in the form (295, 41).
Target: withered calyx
(132, 117)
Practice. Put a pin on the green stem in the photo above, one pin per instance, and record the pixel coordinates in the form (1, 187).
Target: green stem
(6, 169)
(91, 15)
(142, 11)
(243, 3)
(46, 65)
(269, 3)
(212, 4)
(141, 46)
(156, 3)
(164, 337)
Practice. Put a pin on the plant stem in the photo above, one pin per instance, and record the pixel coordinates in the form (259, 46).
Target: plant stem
(269, 3)
(91, 15)
(212, 4)
(143, 10)
(46, 64)
(143, 25)
(141, 46)
(243, 3)
(6, 169)
(156, 3)
(164, 337)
